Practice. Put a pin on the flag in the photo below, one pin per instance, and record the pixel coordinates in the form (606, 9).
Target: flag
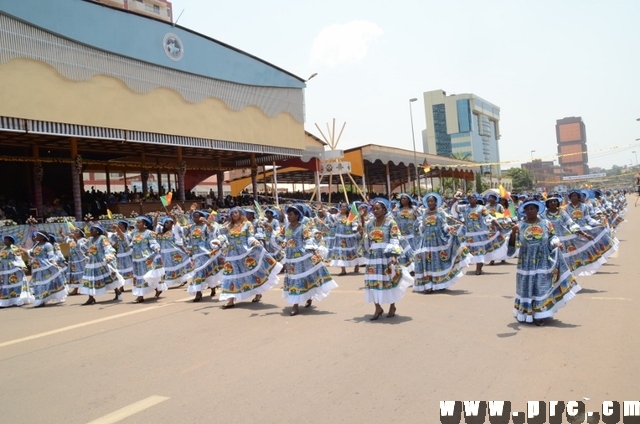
(70, 226)
(425, 166)
(503, 192)
(511, 211)
(258, 209)
(109, 215)
(166, 200)
(353, 213)
(212, 215)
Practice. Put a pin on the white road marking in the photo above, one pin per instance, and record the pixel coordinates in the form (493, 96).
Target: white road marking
(84, 324)
(129, 410)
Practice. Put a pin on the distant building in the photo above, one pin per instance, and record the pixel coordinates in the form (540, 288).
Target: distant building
(159, 9)
(464, 126)
(572, 146)
(545, 173)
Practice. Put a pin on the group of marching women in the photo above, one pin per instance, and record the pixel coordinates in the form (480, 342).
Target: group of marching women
(421, 243)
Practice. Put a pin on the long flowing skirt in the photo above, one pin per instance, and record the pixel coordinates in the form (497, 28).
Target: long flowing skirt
(48, 284)
(13, 288)
(207, 270)
(306, 278)
(100, 277)
(148, 273)
(439, 267)
(246, 274)
(544, 283)
(486, 246)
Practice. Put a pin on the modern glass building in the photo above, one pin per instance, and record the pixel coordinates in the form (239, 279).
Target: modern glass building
(463, 126)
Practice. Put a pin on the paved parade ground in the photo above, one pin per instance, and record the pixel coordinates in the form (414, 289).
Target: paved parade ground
(175, 361)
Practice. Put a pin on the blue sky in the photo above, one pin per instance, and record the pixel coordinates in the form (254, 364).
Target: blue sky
(537, 60)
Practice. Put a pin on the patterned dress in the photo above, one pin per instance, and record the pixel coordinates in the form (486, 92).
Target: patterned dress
(406, 219)
(440, 256)
(13, 283)
(48, 282)
(124, 256)
(384, 282)
(582, 255)
(100, 274)
(178, 267)
(605, 243)
(344, 251)
(484, 244)
(248, 269)
(207, 262)
(544, 282)
(77, 261)
(147, 262)
(306, 277)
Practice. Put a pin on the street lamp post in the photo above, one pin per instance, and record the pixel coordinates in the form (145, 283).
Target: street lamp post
(413, 137)
(636, 154)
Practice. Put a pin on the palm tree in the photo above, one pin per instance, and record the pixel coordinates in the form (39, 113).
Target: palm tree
(461, 157)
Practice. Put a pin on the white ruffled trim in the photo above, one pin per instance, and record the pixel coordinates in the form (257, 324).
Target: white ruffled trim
(498, 254)
(550, 312)
(177, 281)
(390, 295)
(14, 301)
(445, 285)
(589, 269)
(317, 293)
(210, 282)
(358, 261)
(271, 281)
(57, 297)
(154, 276)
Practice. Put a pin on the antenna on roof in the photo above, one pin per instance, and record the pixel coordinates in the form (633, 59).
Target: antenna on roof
(176, 22)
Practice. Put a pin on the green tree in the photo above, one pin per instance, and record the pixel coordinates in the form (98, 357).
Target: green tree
(522, 180)
(456, 182)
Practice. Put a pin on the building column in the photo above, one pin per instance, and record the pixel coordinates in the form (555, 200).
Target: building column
(181, 171)
(388, 181)
(108, 180)
(38, 174)
(144, 175)
(76, 178)
(254, 176)
(220, 184)
(159, 177)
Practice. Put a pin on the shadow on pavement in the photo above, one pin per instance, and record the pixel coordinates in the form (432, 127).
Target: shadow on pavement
(590, 291)
(398, 319)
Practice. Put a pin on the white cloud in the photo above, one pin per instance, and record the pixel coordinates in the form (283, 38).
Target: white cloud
(342, 44)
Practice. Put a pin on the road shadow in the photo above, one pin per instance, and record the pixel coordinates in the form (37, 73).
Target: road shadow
(491, 273)
(508, 297)
(607, 273)
(444, 292)
(398, 319)
(548, 322)
(583, 290)
(302, 311)
(609, 264)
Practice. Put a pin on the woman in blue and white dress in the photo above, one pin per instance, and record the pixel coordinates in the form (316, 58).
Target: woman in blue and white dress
(344, 251)
(406, 216)
(147, 262)
(77, 260)
(178, 267)
(580, 252)
(440, 257)
(484, 243)
(207, 259)
(306, 278)
(384, 281)
(580, 213)
(544, 282)
(100, 274)
(249, 270)
(13, 282)
(121, 240)
(271, 228)
(48, 280)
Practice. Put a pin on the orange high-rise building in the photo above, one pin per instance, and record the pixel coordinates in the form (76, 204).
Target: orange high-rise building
(572, 146)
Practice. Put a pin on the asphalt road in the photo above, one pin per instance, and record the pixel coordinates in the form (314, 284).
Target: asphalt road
(175, 361)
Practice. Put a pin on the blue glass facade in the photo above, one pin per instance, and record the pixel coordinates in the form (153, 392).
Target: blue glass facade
(464, 115)
(443, 140)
